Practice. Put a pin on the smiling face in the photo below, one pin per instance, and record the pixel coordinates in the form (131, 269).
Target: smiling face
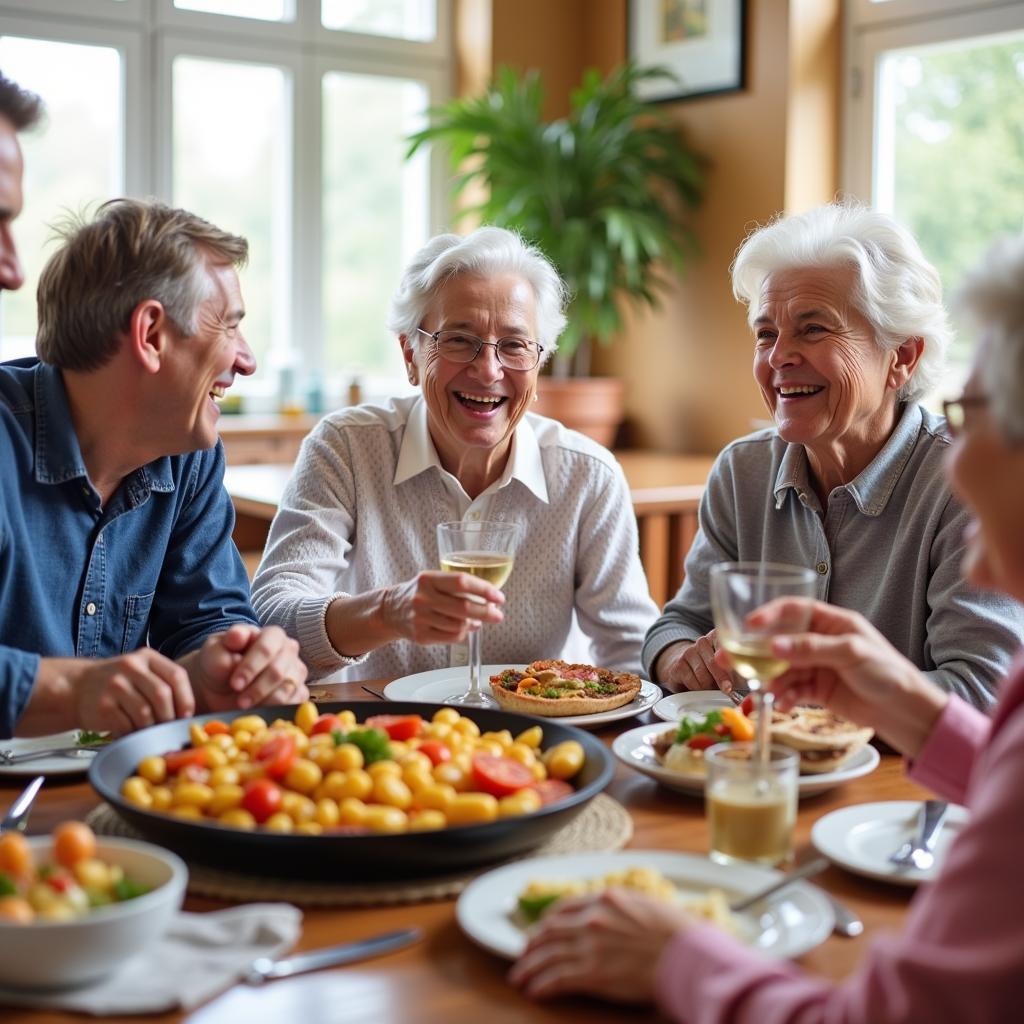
(824, 378)
(474, 405)
(204, 366)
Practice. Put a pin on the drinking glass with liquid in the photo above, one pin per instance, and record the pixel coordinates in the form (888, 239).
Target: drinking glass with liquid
(751, 803)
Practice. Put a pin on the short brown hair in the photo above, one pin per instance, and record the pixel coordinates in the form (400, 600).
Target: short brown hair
(22, 108)
(132, 250)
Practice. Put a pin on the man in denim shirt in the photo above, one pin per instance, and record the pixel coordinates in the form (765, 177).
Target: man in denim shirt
(123, 601)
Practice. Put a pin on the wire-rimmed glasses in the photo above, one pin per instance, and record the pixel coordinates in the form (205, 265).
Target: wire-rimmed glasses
(460, 347)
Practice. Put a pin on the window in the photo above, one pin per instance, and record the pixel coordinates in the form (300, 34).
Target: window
(281, 120)
(935, 127)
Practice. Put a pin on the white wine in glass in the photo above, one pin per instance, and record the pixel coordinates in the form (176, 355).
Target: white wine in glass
(485, 549)
(739, 588)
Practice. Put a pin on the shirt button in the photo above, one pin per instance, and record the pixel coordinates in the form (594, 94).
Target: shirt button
(474, 516)
(822, 568)
(90, 608)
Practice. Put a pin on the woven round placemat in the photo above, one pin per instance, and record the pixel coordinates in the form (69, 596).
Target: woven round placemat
(604, 824)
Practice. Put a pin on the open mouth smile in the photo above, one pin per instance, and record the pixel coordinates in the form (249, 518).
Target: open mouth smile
(790, 392)
(480, 403)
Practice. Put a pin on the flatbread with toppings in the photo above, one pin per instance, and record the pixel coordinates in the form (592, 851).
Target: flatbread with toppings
(555, 689)
(824, 740)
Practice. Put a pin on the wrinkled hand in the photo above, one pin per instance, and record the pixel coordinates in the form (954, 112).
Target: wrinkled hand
(246, 666)
(441, 607)
(130, 692)
(606, 945)
(843, 662)
(692, 666)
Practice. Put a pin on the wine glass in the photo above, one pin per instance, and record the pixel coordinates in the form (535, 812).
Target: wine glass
(739, 588)
(484, 548)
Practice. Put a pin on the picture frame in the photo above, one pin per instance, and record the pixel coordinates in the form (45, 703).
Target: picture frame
(702, 41)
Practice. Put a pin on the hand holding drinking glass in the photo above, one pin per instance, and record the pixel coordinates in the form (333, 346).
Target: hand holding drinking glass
(737, 590)
(485, 549)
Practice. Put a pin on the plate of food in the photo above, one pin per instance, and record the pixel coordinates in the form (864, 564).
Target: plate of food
(583, 696)
(861, 838)
(375, 790)
(497, 909)
(832, 750)
(69, 753)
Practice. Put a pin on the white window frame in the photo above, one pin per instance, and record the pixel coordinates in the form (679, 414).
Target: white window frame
(151, 33)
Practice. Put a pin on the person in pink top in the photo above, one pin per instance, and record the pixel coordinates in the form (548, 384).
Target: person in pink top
(961, 955)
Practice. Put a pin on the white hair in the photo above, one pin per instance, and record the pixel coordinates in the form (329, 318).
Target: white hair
(486, 251)
(897, 290)
(992, 297)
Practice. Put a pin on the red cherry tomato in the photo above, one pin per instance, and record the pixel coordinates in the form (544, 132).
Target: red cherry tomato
(215, 727)
(748, 704)
(552, 790)
(436, 751)
(500, 776)
(178, 759)
(277, 754)
(702, 741)
(261, 798)
(398, 727)
(326, 723)
(722, 729)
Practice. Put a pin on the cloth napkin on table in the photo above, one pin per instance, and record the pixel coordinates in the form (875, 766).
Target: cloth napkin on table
(198, 956)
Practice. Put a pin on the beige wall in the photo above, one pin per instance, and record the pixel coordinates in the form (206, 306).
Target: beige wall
(771, 147)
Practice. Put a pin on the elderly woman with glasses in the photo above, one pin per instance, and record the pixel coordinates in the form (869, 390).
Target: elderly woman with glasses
(351, 565)
(849, 333)
(960, 956)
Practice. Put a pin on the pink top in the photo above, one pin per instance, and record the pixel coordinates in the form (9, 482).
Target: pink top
(960, 956)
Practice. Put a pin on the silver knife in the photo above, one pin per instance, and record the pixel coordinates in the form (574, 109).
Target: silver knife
(265, 969)
(17, 817)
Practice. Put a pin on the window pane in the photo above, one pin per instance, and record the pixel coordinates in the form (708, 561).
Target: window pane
(375, 214)
(231, 166)
(73, 161)
(264, 10)
(951, 149)
(406, 19)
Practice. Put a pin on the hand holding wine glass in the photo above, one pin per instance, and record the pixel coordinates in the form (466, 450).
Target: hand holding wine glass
(737, 590)
(485, 549)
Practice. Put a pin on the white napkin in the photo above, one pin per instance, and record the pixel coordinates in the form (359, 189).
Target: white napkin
(198, 956)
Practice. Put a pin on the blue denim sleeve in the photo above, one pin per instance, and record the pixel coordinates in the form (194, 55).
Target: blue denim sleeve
(18, 671)
(204, 588)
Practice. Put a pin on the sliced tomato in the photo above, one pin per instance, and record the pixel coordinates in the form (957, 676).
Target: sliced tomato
(277, 754)
(703, 740)
(178, 759)
(551, 791)
(747, 705)
(261, 798)
(500, 776)
(326, 723)
(398, 727)
(436, 751)
(721, 729)
(215, 727)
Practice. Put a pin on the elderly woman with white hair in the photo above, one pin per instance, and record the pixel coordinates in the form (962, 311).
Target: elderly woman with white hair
(849, 333)
(960, 955)
(351, 565)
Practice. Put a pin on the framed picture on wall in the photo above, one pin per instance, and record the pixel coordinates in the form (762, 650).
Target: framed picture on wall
(700, 41)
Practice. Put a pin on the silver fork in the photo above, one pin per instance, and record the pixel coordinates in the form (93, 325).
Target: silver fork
(919, 851)
(9, 757)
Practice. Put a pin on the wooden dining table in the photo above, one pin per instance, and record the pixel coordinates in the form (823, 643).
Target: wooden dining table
(445, 977)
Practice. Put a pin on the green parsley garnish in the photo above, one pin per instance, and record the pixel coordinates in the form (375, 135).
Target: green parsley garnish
(91, 738)
(372, 742)
(703, 724)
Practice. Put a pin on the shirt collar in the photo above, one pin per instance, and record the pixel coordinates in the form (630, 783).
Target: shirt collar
(873, 486)
(58, 454)
(418, 454)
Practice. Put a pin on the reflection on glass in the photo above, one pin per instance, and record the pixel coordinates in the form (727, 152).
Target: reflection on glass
(74, 161)
(375, 214)
(231, 166)
(405, 19)
(264, 10)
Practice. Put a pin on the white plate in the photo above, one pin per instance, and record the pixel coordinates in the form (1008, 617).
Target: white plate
(674, 706)
(439, 684)
(62, 764)
(634, 749)
(861, 838)
(792, 922)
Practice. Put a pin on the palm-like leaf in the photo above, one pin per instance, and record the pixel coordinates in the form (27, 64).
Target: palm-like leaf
(603, 192)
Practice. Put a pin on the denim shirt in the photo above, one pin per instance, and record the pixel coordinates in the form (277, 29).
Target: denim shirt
(889, 545)
(155, 566)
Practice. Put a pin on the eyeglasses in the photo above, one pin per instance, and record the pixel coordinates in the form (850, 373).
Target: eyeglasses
(459, 347)
(955, 411)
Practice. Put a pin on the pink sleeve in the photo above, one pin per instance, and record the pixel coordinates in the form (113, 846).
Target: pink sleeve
(946, 761)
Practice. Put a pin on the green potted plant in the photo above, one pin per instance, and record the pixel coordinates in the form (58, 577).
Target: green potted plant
(603, 192)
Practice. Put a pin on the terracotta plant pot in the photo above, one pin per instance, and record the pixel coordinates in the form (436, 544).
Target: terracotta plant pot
(592, 405)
